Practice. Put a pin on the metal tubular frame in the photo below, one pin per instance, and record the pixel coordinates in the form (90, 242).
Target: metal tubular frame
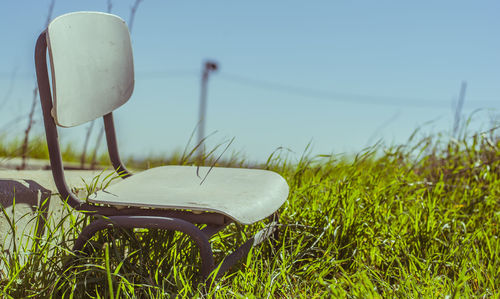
(182, 221)
(201, 240)
(114, 156)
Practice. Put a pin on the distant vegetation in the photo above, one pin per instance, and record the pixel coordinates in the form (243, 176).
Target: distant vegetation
(37, 149)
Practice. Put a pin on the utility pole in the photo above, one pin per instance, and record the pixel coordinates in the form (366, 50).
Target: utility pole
(458, 109)
(209, 66)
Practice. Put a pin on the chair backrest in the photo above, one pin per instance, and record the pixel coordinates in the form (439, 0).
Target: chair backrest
(91, 66)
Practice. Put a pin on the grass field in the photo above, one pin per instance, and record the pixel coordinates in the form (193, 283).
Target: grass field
(411, 221)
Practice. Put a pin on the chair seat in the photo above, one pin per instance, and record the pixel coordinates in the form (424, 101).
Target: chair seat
(245, 195)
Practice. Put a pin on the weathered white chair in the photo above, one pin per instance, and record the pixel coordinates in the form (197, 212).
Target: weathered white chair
(92, 75)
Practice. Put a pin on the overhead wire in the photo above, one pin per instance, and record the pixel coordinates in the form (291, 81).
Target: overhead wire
(310, 93)
(314, 94)
(341, 96)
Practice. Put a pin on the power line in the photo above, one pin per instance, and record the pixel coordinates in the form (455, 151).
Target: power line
(146, 74)
(168, 73)
(337, 96)
(309, 93)
(24, 75)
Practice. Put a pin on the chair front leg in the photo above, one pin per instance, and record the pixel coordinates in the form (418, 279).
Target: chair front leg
(199, 237)
(241, 252)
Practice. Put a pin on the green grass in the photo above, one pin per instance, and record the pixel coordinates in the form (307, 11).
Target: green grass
(417, 220)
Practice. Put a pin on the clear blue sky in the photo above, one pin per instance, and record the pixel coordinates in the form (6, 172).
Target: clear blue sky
(341, 74)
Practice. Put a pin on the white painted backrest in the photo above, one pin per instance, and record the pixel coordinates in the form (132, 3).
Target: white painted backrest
(91, 64)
